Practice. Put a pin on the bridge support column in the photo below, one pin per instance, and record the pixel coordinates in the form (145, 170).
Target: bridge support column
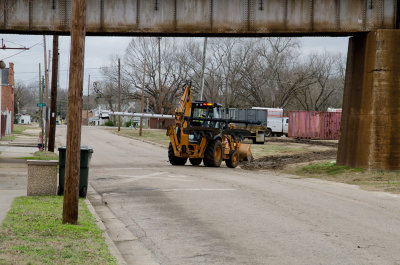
(370, 130)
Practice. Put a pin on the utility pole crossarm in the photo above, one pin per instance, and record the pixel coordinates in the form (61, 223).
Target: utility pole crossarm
(3, 47)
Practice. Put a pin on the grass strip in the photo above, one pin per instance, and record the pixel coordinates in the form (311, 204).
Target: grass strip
(8, 138)
(41, 155)
(151, 135)
(19, 129)
(374, 180)
(32, 233)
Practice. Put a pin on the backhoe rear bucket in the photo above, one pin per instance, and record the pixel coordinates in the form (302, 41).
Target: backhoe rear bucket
(244, 152)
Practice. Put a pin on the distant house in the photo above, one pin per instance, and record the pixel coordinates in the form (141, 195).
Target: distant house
(86, 117)
(7, 100)
(24, 119)
(98, 117)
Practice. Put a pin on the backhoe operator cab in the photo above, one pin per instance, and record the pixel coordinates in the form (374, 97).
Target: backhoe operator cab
(202, 109)
(201, 135)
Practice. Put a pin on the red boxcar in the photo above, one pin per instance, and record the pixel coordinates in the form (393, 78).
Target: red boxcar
(314, 125)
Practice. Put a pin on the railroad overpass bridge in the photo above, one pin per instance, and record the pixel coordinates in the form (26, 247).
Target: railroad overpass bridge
(370, 135)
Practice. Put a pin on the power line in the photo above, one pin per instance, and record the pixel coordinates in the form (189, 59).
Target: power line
(66, 70)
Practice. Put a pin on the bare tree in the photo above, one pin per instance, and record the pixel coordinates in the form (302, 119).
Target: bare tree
(20, 92)
(284, 70)
(266, 72)
(25, 97)
(224, 70)
(175, 69)
(328, 80)
(106, 91)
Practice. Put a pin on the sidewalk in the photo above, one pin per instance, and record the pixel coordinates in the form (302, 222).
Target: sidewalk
(13, 172)
(12, 183)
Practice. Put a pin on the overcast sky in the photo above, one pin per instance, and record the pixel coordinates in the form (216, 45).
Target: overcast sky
(99, 50)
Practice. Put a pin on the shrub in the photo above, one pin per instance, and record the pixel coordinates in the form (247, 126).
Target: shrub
(109, 123)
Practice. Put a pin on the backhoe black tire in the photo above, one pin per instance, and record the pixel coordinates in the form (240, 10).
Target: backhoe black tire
(213, 154)
(268, 132)
(174, 160)
(195, 161)
(233, 160)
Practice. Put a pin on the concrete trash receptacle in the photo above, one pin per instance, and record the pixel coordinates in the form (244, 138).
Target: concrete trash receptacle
(42, 177)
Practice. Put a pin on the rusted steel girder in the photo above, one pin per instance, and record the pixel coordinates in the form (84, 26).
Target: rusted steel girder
(203, 17)
(371, 111)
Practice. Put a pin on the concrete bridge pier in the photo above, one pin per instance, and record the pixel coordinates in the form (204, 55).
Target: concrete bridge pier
(370, 130)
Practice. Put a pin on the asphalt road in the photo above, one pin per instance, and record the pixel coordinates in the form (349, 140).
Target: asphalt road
(197, 215)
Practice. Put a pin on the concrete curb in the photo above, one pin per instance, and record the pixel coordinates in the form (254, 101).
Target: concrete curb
(150, 142)
(112, 247)
(126, 247)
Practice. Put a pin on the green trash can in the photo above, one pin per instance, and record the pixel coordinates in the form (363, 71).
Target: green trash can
(86, 155)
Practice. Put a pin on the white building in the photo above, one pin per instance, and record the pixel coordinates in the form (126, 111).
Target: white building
(24, 119)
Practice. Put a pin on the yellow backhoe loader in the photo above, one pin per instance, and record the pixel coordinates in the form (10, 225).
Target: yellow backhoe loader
(200, 134)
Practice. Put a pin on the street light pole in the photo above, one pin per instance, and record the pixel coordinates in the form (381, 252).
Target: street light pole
(142, 99)
(203, 67)
(159, 75)
(119, 94)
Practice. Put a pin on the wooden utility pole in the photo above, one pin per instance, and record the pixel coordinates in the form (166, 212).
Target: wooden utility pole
(72, 165)
(41, 101)
(87, 102)
(119, 94)
(46, 76)
(48, 100)
(53, 106)
(142, 100)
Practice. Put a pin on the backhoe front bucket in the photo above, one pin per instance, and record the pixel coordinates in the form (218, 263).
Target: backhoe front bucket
(244, 152)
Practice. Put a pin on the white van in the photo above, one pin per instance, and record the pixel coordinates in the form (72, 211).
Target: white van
(276, 123)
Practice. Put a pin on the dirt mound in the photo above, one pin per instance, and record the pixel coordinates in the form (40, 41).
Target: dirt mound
(303, 141)
(279, 162)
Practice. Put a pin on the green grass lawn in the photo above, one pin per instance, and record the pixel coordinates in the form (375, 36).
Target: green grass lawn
(151, 135)
(32, 233)
(375, 180)
(8, 138)
(19, 129)
(41, 155)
